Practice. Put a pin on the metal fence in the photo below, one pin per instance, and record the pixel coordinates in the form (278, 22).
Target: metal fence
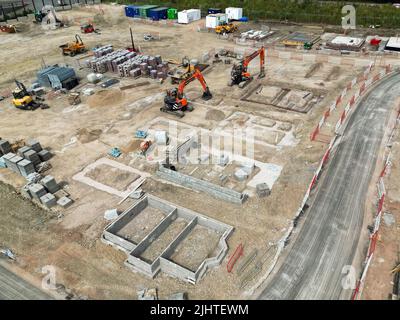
(21, 8)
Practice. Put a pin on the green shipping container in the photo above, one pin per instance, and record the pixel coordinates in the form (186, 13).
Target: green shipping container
(144, 10)
(172, 13)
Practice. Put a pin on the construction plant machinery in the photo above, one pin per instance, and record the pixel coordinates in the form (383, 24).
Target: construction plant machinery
(22, 99)
(240, 74)
(87, 28)
(49, 13)
(226, 28)
(175, 101)
(73, 48)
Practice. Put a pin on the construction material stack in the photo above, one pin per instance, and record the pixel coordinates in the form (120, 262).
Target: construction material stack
(188, 16)
(128, 64)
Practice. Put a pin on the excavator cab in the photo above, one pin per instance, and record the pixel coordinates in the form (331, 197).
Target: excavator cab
(22, 99)
(239, 73)
(175, 101)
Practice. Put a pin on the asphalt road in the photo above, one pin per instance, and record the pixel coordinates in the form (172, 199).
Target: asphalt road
(328, 238)
(13, 287)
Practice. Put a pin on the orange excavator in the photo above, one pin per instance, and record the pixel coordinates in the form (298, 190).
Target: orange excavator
(240, 75)
(175, 101)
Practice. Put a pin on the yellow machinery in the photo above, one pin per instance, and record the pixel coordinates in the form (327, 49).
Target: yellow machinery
(23, 100)
(226, 28)
(73, 48)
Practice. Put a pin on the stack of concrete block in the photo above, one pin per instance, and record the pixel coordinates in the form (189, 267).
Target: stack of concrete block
(34, 145)
(49, 200)
(32, 156)
(5, 147)
(50, 184)
(127, 64)
(263, 190)
(12, 162)
(26, 167)
(37, 191)
(21, 151)
(64, 202)
(44, 155)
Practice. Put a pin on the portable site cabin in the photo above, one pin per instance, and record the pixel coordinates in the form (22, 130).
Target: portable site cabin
(187, 16)
(214, 20)
(144, 10)
(234, 13)
(132, 11)
(172, 13)
(158, 13)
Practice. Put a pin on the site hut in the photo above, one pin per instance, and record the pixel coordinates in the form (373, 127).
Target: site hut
(158, 13)
(172, 14)
(234, 14)
(188, 16)
(132, 11)
(145, 10)
(393, 44)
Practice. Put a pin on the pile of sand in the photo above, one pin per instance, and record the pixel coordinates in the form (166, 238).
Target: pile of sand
(104, 98)
(86, 136)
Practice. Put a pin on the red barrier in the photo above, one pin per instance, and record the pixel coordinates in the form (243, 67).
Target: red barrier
(352, 100)
(314, 133)
(235, 257)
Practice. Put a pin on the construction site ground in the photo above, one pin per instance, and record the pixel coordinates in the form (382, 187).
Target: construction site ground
(69, 239)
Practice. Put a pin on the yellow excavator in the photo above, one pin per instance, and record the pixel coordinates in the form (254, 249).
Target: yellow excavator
(73, 48)
(226, 28)
(22, 99)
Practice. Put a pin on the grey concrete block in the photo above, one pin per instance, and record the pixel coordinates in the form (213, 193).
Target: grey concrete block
(32, 156)
(34, 144)
(44, 155)
(5, 146)
(7, 157)
(21, 151)
(14, 163)
(223, 160)
(49, 200)
(37, 191)
(26, 167)
(50, 184)
(263, 190)
(64, 202)
(240, 175)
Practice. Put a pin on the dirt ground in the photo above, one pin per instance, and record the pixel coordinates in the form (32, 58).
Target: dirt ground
(79, 135)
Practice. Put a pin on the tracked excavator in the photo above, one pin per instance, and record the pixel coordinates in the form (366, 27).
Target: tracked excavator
(240, 74)
(23, 100)
(175, 101)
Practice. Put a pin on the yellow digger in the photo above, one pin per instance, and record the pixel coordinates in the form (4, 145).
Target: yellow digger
(23, 100)
(73, 48)
(226, 28)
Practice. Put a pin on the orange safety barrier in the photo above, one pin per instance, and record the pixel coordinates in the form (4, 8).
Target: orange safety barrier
(235, 257)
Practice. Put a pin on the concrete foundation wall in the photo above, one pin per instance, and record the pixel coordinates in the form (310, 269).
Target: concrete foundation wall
(201, 185)
(154, 234)
(162, 262)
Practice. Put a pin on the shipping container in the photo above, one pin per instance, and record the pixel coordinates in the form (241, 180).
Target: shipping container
(187, 16)
(234, 13)
(158, 13)
(132, 11)
(172, 13)
(214, 20)
(214, 10)
(144, 10)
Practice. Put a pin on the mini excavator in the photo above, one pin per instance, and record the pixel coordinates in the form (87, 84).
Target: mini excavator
(240, 75)
(175, 101)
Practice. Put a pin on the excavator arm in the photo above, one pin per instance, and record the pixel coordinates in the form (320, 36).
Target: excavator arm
(250, 57)
(199, 76)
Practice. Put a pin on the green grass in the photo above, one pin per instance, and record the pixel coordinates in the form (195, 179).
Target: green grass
(303, 11)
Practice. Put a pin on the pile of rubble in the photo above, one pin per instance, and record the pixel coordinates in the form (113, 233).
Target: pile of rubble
(127, 63)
